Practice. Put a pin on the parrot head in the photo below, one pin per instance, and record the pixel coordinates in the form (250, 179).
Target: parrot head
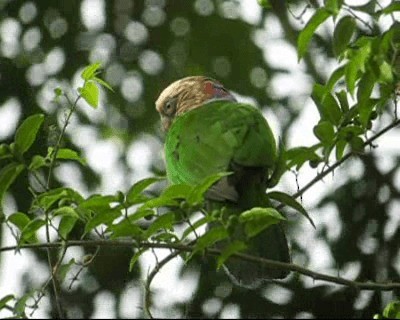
(187, 94)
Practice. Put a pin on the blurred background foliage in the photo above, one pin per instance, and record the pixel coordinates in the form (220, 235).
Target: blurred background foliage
(143, 46)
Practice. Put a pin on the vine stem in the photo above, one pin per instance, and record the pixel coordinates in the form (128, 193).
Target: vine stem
(369, 285)
(54, 270)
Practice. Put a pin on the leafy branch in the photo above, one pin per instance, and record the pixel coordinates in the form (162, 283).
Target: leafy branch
(180, 248)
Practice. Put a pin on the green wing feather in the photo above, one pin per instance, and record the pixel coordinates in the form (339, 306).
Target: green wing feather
(205, 140)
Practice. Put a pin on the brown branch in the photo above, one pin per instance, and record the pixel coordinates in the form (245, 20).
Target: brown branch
(388, 286)
(324, 173)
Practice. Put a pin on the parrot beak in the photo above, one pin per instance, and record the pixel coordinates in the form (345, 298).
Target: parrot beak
(166, 122)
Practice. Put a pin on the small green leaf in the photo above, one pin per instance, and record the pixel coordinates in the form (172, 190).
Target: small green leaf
(19, 219)
(357, 145)
(395, 6)
(47, 199)
(98, 202)
(264, 3)
(340, 147)
(135, 191)
(135, 258)
(258, 219)
(5, 299)
(102, 217)
(66, 211)
(64, 269)
(280, 166)
(291, 202)
(7, 176)
(342, 97)
(342, 34)
(299, 155)
(357, 64)
(325, 132)
(66, 225)
(90, 71)
(103, 83)
(177, 191)
(37, 162)
(26, 133)
(197, 194)
(29, 232)
(306, 34)
(196, 225)
(208, 239)
(20, 305)
(234, 247)
(5, 151)
(125, 228)
(334, 78)
(90, 92)
(69, 154)
(386, 74)
(58, 92)
(392, 310)
(165, 221)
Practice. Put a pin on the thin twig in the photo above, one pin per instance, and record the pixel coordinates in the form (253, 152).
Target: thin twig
(324, 173)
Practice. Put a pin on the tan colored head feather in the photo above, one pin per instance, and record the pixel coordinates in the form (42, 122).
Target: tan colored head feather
(184, 95)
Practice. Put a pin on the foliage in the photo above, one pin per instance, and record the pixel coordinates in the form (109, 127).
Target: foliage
(351, 102)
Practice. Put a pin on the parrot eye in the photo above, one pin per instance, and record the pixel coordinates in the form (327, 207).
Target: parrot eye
(170, 107)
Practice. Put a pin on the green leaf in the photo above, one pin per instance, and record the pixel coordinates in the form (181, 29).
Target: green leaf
(258, 219)
(47, 199)
(392, 310)
(357, 145)
(299, 155)
(333, 6)
(264, 3)
(342, 34)
(5, 151)
(326, 104)
(66, 225)
(386, 74)
(98, 202)
(20, 305)
(102, 217)
(90, 92)
(197, 194)
(334, 78)
(357, 64)
(64, 269)
(291, 202)
(234, 247)
(306, 34)
(342, 97)
(133, 195)
(177, 191)
(37, 162)
(66, 211)
(164, 221)
(280, 166)
(125, 228)
(26, 133)
(196, 225)
(19, 219)
(29, 232)
(103, 83)
(208, 239)
(5, 299)
(395, 6)
(7, 176)
(68, 154)
(325, 132)
(365, 109)
(340, 147)
(90, 71)
(135, 259)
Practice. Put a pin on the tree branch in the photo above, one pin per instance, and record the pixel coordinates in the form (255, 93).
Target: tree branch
(189, 248)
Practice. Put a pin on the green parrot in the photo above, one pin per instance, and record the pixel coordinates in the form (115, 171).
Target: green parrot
(207, 132)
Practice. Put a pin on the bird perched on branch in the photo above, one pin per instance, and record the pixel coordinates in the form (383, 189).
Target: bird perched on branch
(207, 132)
